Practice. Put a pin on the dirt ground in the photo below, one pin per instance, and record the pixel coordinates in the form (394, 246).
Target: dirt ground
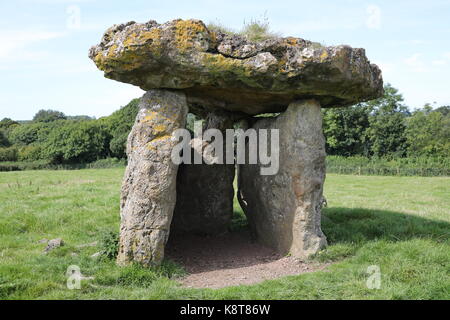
(231, 259)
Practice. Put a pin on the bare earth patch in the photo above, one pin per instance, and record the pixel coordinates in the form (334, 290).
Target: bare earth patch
(231, 259)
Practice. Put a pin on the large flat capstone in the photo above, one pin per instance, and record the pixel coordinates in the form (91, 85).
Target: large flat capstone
(229, 71)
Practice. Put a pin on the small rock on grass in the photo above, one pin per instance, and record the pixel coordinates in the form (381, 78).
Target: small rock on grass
(53, 244)
(96, 255)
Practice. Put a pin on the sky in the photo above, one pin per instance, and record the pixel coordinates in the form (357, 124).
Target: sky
(44, 44)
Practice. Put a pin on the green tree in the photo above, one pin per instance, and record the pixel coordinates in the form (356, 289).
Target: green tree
(48, 116)
(445, 110)
(30, 133)
(428, 132)
(119, 125)
(7, 124)
(3, 140)
(77, 142)
(344, 129)
(387, 124)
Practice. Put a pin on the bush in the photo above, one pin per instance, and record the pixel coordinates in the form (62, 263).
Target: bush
(109, 244)
(29, 153)
(8, 154)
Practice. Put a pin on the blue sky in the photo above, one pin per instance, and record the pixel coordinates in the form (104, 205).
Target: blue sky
(44, 44)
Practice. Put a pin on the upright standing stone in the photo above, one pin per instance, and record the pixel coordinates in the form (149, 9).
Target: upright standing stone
(149, 186)
(205, 191)
(284, 209)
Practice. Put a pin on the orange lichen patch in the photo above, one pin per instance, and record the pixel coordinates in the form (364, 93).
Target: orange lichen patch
(186, 32)
(282, 65)
(291, 41)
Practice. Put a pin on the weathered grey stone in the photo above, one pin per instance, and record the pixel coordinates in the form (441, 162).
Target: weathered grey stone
(284, 209)
(204, 199)
(149, 186)
(231, 72)
(53, 244)
(205, 191)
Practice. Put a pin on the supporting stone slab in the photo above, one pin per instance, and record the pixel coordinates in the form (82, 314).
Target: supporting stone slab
(284, 209)
(149, 186)
(205, 191)
(204, 199)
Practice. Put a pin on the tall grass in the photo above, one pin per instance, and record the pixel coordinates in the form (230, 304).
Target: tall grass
(255, 30)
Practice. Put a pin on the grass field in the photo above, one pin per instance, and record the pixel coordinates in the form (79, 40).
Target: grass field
(400, 224)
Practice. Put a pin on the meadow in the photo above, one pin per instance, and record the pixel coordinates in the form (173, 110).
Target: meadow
(399, 224)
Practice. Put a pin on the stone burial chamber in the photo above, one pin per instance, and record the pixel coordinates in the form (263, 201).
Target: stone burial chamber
(226, 79)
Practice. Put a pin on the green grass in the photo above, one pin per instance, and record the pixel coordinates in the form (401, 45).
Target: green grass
(400, 224)
(411, 166)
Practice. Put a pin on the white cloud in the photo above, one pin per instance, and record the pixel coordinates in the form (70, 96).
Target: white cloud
(385, 67)
(14, 42)
(417, 42)
(439, 62)
(317, 25)
(373, 20)
(443, 60)
(415, 63)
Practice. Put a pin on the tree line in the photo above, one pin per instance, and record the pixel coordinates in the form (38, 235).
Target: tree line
(381, 128)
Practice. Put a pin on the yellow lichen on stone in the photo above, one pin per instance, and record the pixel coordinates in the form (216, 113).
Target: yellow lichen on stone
(153, 116)
(158, 128)
(152, 145)
(150, 38)
(132, 53)
(186, 31)
(217, 63)
(323, 55)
